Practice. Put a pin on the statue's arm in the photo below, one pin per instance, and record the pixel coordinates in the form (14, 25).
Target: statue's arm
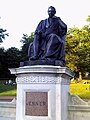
(39, 28)
(62, 27)
(62, 24)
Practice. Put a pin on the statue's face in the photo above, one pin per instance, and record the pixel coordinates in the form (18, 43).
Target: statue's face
(51, 12)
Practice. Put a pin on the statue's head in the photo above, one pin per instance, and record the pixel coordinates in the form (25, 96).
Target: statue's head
(51, 11)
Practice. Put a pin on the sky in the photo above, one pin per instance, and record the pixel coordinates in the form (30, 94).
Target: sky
(20, 17)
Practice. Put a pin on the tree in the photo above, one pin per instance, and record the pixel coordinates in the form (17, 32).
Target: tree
(2, 55)
(4, 72)
(13, 57)
(3, 69)
(3, 34)
(78, 49)
(88, 19)
(9, 59)
(26, 40)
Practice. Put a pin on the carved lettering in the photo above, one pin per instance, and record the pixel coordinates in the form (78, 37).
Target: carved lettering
(36, 104)
(41, 103)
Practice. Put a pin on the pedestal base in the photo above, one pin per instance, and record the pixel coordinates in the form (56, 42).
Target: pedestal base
(42, 92)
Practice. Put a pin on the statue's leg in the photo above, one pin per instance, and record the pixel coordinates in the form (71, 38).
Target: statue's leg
(30, 50)
(53, 47)
(62, 53)
(35, 48)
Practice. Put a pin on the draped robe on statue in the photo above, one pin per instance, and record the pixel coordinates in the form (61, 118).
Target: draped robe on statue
(48, 40)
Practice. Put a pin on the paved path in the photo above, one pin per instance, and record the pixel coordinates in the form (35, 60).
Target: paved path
(7, 98)
(3, 118)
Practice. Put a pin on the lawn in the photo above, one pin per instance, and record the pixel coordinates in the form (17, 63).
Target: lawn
(80, 89)
(7, 90)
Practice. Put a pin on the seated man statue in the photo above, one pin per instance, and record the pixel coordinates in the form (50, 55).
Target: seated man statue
(48, 43)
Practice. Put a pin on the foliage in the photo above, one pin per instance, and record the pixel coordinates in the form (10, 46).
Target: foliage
(78, 49)
(3, 34)
(26, 40)
(9, 59)
(88, 19)
(2, 55)
(13, 57)
(4, 72)
(3, 69)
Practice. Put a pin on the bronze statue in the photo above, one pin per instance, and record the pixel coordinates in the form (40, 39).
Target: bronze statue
(49, 37)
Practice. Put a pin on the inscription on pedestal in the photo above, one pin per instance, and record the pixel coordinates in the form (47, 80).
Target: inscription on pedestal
(36, 104)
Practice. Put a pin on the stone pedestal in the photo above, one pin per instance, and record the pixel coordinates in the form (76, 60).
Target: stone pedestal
(42, 92)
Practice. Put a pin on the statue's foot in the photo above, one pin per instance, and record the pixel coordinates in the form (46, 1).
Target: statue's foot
(34, 58)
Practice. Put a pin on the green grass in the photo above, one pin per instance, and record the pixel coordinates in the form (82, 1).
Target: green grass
(7, 90)
(80, 89)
